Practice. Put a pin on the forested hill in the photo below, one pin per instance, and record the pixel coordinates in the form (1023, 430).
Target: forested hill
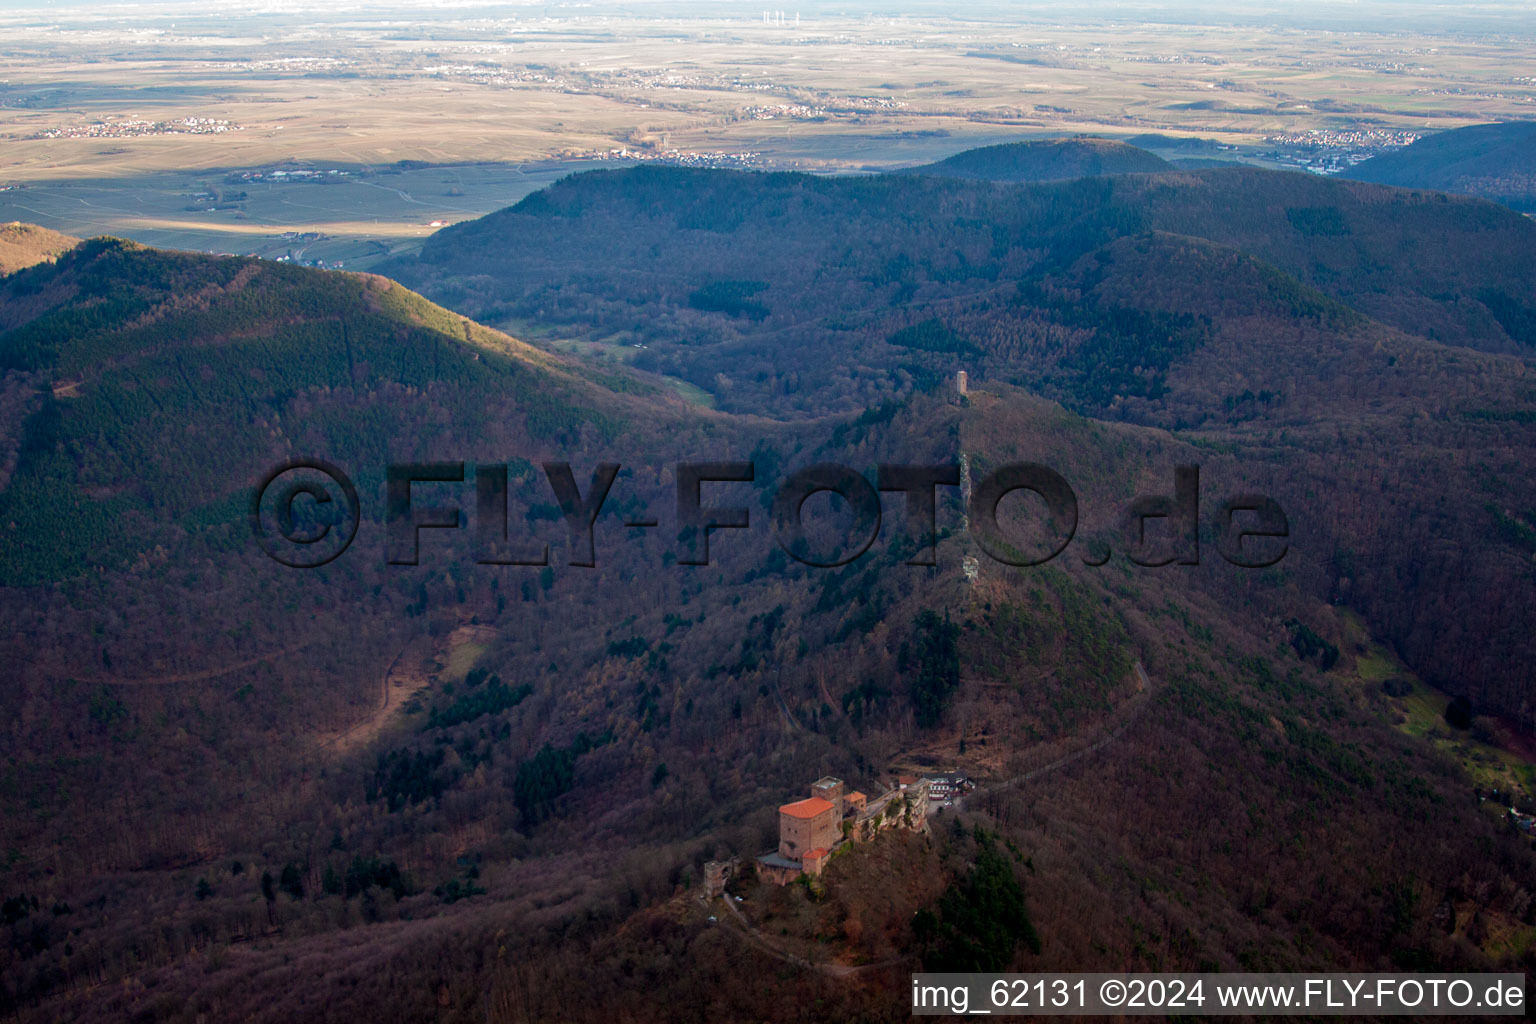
(491, 787)
(722, 258)
(154, 386)
(1494, 161)
(1353, 335)
(1045, 160)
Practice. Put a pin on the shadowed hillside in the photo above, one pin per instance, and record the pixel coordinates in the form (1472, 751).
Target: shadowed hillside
(1046, 160)
(1291, 316)
(1492, 161)
(737, 283)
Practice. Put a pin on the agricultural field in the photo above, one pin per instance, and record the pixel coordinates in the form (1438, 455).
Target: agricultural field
(130, 122)
(348, 216)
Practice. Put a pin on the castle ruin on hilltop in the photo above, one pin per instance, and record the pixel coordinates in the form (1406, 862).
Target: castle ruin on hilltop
(811, 829)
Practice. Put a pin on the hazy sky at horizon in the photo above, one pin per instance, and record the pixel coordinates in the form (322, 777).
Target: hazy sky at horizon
(1510, 17)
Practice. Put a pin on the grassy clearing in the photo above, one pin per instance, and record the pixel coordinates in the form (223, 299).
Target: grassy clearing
(466, 646)
(692, 393)
(1421, 713)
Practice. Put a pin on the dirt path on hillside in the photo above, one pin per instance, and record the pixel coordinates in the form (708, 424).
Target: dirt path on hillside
(199, 676)
(789, 718)
(407, 673)
(411, 671)
(1133, 709)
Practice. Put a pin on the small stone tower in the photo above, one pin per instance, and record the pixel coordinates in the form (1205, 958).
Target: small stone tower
(831, 790)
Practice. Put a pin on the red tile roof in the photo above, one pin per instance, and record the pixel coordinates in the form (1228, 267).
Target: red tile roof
(816, 854)
(810, 807)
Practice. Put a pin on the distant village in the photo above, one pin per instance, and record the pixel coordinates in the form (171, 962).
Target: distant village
(1333, 150)
(674, 157)
(283, 176)
(799, 111)
(135, 128)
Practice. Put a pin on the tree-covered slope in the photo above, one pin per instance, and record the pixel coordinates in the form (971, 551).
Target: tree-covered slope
(490, 788)
(1492, 161)
(807, 261)
(1046, 160)
(160, 382)
(1332, 325)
